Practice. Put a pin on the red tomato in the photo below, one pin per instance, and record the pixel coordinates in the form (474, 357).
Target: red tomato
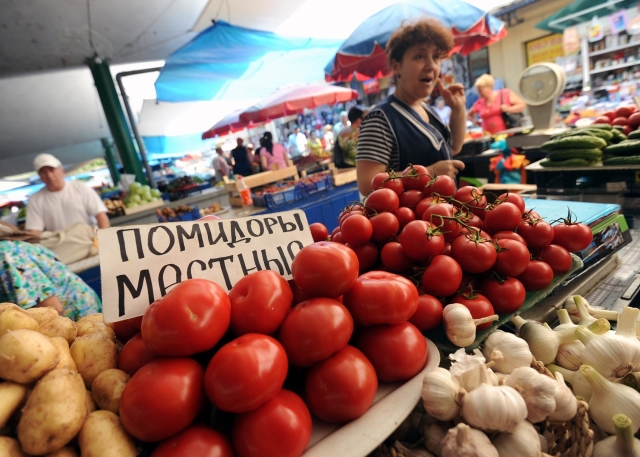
(506, 297)
(627, 129)
(447, 249)
(634, 120)
(337, 238)
(348, 213)
(259, 303)
(515, 199)
(342, 387)
(382, 200)
(126, 329)
(245, 373)
(394, 258)
(471, 219)
(512, 259)
(397, 352)
(611, 115)
(415, 177)
(472, 198)
(379, 297)
(623, 111)
(441, 185)
(405, 215)
(603, 120)
(420, 242)
(367, 255)
(505, 216)
(356, 230)
(473, 256)
(395, 184)
(436, 214)
(378, 180)
(314, 330)
(411, 198)
(478, 305)
(509, 236)
(335, 230)
(385, 226)
(325, 269)
(162, 398)
(423, 205)
(620, 121)
(298, 294)
(429, 313)
(442, 277)
(387, 181)
(191, 318)
(573, 237)
(536, 232)
(195, 440)
(537, 276)
(279, 428)
(558, 258)
(319, 232)
(134, 355)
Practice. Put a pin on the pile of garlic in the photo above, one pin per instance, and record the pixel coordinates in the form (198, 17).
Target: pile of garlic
(488, 409)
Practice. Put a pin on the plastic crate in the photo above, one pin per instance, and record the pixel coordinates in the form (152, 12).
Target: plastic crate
(271, 200)
(312, 188)
(192, 215)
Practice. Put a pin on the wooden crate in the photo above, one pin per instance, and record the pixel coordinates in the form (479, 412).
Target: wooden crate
(257, 180)
(342, 177)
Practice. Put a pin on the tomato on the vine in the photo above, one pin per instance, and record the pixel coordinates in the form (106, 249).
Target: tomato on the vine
(512, 259)
(574, 237)
(405, 215)
(387, 181)
(558, 258)
(509, 236)
(537, 276)
(472, 198)
(536, 232)
(474, 255)
(436, 215)
(356, 230)
(394, 258)
(342, 387)
(319, 232)
(505, 216)
(506, 296)
(442, 277)
(420, 240)
(515, 199)
(429, 313)
(411, 198)
(382, 200)
(195, 440)
(385, 226)
(415, 177)
(378, 180)
(367, 255)
(134, 355)
(441, 185)
(478, 305)
(397, 352)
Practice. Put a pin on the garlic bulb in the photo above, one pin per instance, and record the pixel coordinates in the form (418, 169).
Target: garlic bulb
(494, 408)
(566, 403)
(460, 326)
(612, 355)
(627, 322)
(493, 378)
(609, 399)
(623, 444)
(522, 442)
(463, 441)
(507, 351)
(468, 369)
(543, 342)
(565, 320)
(544, 444)
(580, 386)
(569, 355)
(433, 435)
(538, 391)
(576, 303)
(441, 394)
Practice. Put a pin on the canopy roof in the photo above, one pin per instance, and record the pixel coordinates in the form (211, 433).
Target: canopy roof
(582, 11)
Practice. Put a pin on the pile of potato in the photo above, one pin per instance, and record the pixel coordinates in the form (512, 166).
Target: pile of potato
(59, 386)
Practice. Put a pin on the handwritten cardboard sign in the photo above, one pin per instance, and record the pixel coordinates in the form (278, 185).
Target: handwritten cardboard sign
(141, 263)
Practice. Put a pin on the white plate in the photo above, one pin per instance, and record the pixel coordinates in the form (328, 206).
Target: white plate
(392, 404)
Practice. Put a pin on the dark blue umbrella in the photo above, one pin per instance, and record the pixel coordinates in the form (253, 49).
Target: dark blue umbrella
(363, 52)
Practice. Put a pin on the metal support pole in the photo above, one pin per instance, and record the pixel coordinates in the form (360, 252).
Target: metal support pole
(115, 117)
(110, 157)
(132, 120)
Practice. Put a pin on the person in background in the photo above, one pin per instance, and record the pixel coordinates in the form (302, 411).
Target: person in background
(241, 159)
(220, 165)
(257, 162)
(443, 111)
(492, 103)
(314, 145)
(403, 129)
(348, 138)
(272, 153)
(297, 142)
(328, 138)
(32, 276)
(61, 204)
(340, 126)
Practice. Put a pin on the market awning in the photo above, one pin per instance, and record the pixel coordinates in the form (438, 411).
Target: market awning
(582, 11)
(225, 62)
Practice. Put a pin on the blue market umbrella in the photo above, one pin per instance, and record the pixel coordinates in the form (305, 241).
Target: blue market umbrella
(363, 52)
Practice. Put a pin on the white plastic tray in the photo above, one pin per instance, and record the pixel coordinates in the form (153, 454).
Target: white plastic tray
(392, 404)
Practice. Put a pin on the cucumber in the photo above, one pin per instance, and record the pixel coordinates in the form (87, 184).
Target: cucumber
(601, 133)
(625, 148)
(635, 135)
(565, 163)
(566, 154)
(601, 126)
(620, 128)
(618, 136)
(629, 160)
(574, 142)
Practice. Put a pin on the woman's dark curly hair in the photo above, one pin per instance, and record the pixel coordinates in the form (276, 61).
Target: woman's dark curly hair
(428, 31)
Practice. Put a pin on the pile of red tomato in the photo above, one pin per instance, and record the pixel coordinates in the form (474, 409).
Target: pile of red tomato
(456, 246)
(626, 116)
(266, 356)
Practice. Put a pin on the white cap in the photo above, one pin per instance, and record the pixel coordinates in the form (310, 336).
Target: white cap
(46, 160)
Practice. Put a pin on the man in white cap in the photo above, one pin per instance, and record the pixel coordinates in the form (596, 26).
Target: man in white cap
(341, 125)
(61, 204)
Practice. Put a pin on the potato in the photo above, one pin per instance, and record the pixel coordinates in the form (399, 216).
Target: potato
(14, 318)
(59, 326)
(10, 447)
(107, 389)
(63, 452)
(93, 354)
(54, 413)
(95, 317)
(26, 355)
(42, 314)
(66, 361)
(12, 395)
(102, 435)
(91, 404)
(89, 328)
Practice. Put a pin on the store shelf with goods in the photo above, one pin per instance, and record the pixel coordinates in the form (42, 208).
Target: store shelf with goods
(614, 67)
(614, 49)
